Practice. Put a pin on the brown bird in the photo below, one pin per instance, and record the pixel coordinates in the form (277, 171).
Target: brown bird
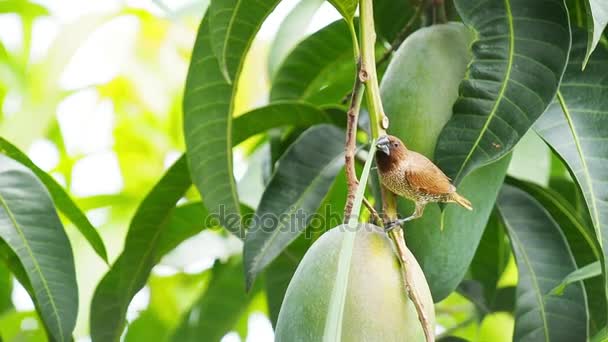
(411, 175)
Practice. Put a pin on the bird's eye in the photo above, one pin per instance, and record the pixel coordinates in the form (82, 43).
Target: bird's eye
(396, 144)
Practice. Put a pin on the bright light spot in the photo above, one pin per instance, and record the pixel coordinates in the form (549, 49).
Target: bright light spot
(21, 299)
(99, 216)
(164, 270)
(259, 329)
(170, 158)
(59, 178)
(102, 56)
(97, 174)
(29, 323)
(12, 103)
(68, 10)
(86, 123)
(44, 154)
(139, 303)
(271, 24)
(147, 5)
(44, 32)
(239, 164)
(325, 15)
(199, 252)
(11, 33)
(231, 337)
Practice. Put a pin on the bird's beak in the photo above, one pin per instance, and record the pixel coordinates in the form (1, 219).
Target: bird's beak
(382, 144)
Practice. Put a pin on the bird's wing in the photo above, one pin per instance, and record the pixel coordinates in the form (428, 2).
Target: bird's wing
(424, 176)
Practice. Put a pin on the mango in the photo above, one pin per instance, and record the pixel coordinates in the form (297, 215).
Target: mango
(376, 307)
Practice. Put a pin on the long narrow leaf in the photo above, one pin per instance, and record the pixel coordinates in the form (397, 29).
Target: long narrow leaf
(543, 260)
(61, 199)
(337, 301)
(31, 228)
(301, 181)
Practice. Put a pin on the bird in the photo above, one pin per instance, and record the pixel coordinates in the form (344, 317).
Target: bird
(411, 175)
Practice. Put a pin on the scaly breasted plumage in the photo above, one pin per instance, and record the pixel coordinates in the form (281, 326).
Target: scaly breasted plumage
(411, 175)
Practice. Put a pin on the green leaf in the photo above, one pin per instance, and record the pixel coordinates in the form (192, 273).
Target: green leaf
(219, 308)
(337, 300)
(143, 247)
(283, 114)
(295, 191)
(347, 8)
(292, 29)
(61, 199)
(572, 128)
(491, 257)
(597, 19)
(31, 228)
(543, 260)
(582, 242)
(391, 16)
(583, 273)
(208, 107)
(279, 273)
(315, 64)
(6, 290)
(519, 57)
(232, 26)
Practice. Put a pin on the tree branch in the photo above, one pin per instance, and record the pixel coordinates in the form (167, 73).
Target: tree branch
(379, 123)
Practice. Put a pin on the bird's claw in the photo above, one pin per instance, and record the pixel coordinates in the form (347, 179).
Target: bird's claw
(392, 225)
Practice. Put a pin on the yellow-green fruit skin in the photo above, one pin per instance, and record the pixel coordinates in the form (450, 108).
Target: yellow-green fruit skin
(420, 85)
(376, 308)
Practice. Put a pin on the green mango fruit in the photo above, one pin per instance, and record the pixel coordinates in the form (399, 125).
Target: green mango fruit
(376, 306)
(418, 91)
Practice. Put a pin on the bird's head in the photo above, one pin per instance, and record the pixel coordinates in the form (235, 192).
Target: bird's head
(390, 150)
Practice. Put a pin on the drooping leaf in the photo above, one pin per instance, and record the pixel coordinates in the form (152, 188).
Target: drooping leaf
(141, 252)
(279, 273)
(575, 128)
(31, 228)
(282, 114)
(60, 197)
(219, 307)
(519, 57)
(337, 300)
(543, 260)
(346, 7)
(312, 67)
(582, 242)
(232, 26)
(296, 189)
(586, 272)
(597, 19)
(291, 30)
(209, 100)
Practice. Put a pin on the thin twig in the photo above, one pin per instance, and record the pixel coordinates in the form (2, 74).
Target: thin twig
(405, 31)
(373, 212)
(351, 140)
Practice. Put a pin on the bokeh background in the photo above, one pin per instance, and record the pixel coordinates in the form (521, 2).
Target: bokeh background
(91, 89)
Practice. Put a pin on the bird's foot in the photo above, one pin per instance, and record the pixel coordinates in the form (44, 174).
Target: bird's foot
(392, 225)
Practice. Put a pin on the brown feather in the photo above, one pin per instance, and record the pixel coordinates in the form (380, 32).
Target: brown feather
(424, 176)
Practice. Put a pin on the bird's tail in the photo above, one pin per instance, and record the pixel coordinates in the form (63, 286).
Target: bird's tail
(461, 200)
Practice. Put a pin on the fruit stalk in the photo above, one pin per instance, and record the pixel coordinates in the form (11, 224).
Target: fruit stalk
(379, 123)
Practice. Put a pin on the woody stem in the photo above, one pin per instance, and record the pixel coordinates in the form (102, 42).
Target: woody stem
(379, 123)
